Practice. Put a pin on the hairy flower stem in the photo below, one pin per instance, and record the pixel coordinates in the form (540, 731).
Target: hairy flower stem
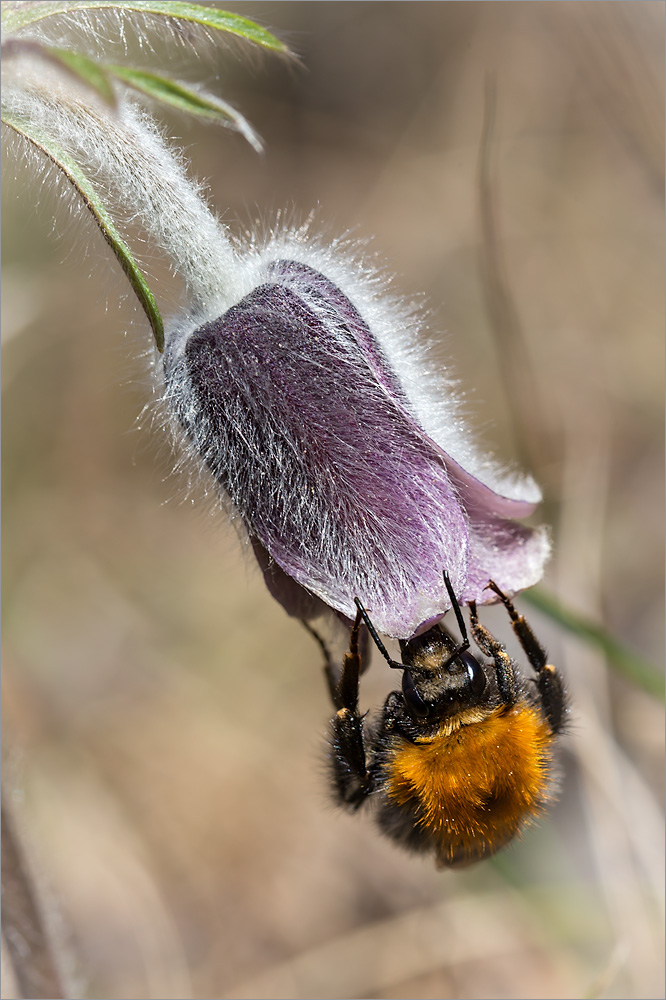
(125, 154)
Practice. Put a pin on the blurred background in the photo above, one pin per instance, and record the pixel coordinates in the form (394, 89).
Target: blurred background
(163, 718)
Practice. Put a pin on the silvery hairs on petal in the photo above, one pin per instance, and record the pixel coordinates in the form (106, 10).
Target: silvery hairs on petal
(304, 388)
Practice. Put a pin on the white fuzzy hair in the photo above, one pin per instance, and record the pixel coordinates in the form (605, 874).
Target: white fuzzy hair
(147, 181)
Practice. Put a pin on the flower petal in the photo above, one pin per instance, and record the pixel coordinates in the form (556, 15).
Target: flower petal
(296, 601)
(511, 554)
(312, 284)
(289, 401)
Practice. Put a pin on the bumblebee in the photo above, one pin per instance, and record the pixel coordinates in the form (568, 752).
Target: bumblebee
(461, 758)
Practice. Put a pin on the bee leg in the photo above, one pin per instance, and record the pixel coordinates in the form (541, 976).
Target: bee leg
(549, 682)
(492, 647)
(347, 688)
(330, 673)
(351, 779)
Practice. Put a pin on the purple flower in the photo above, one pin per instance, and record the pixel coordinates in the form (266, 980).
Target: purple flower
(308, 403)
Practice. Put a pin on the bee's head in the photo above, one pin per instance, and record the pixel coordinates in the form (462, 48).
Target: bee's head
(435, 685)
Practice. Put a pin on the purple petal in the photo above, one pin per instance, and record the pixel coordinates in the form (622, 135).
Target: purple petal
(291, 402)
(312, 285)
(296, 601)
(510, 554)
(476, 495)
(341, 488)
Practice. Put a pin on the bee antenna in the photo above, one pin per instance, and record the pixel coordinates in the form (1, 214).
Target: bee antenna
(377, 641)
(464, 645)
(456, 607)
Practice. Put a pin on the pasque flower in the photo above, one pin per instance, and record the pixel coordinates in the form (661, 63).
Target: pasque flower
(303, 388)
(310, 405)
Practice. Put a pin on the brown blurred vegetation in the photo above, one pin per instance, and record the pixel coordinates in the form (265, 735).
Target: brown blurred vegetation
(163, 718)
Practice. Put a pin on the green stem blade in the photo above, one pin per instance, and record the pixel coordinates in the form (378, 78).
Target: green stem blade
(183, 98)
(17, 16)
(78, 179)
(85, 70)
(625, 661)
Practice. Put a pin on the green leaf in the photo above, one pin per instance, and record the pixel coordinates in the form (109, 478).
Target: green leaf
(17, 16)
(75, 175)
(185, 98)
(625, 661)
(87, 70)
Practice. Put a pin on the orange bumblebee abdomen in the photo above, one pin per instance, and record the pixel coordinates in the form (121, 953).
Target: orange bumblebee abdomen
(476, 781)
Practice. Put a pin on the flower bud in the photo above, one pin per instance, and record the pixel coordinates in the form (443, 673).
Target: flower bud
(306, 402)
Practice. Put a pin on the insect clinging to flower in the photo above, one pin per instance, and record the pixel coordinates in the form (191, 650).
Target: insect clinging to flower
(301, 388)
(308, 402)
(461, 758)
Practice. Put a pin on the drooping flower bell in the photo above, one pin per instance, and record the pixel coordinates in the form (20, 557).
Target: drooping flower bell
(301, 386)
(309, 402)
